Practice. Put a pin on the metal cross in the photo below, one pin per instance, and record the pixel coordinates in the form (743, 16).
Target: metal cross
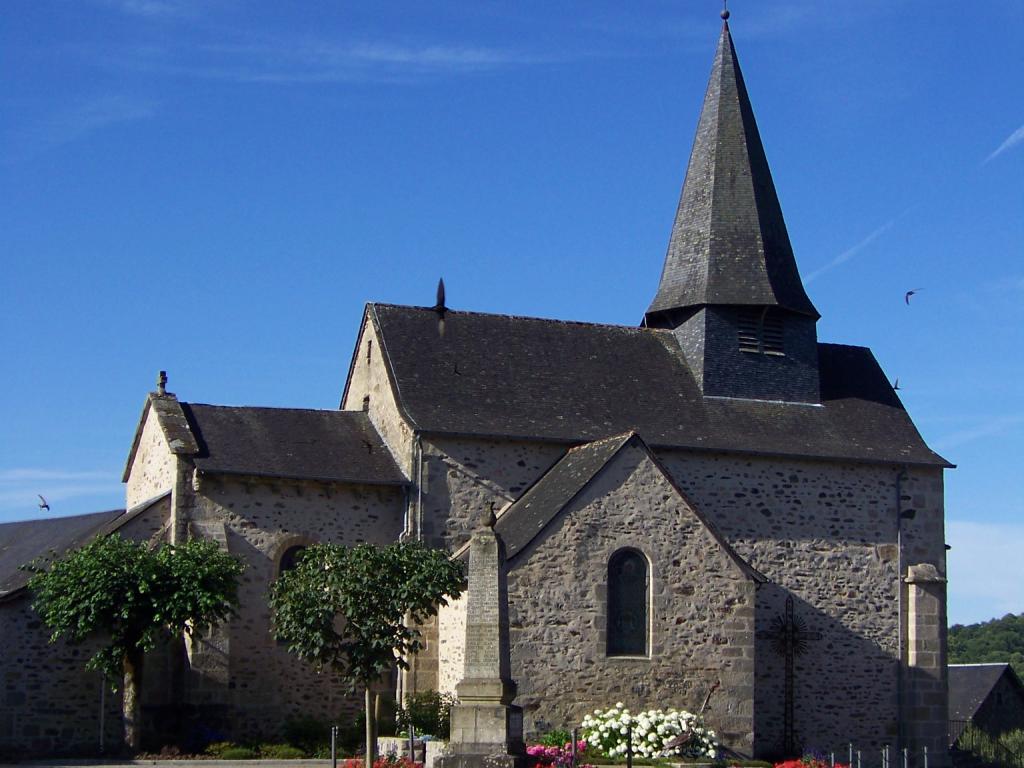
(789, 638)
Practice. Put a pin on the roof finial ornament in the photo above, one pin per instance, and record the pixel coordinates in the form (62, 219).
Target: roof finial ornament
(725, 10)
(161, 383)
(440, 308)
(488, 518)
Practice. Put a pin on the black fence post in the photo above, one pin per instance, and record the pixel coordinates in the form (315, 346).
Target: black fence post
(629, 746)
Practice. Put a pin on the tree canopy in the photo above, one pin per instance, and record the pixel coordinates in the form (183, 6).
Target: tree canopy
(355, 609)
(129, 596)
(989, 641)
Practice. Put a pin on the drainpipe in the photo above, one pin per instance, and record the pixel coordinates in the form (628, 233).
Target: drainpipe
(419, 487)
(901, 475)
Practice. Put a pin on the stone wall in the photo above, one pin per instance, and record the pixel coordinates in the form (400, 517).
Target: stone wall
(451, 644)
(463, 477)
(49, 702)
(701, 611)
(827, 534)
(152, 471)
(260, 684)
(369, 388)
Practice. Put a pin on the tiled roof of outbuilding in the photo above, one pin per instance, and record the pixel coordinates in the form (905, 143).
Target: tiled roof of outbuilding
(729, 243)
(528, 378)
(294, 443)
(970, 685)
(24, 541)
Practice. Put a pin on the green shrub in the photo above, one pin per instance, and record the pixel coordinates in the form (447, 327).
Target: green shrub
(429, 712)
(216, 749)
(307, 733)
(992, 749)
(1013, 741)
(280, 752)
(238, 753)
(556, 738)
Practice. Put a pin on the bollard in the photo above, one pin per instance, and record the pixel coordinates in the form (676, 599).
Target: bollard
(926, 757)
(858, 758)
(906, 758)
(575, 739)
(629, 746)
(849, 757)
(334, 746)
(832, 759)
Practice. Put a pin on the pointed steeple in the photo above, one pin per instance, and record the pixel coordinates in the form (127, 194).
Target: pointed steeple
(729, 243)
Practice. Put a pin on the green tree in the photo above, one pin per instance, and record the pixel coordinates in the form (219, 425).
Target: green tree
(130, 596)
(997, 640)
(356, 609)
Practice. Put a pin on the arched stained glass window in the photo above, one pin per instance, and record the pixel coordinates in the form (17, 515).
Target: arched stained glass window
(627, 604)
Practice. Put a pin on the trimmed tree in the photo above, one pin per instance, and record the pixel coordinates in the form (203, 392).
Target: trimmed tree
(131, 596)
(355, 609)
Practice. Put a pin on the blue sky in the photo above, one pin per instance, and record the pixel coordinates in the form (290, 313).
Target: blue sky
(215, 187)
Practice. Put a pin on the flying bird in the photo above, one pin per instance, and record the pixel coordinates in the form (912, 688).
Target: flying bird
(440, 308)
(908, 294)
(43, 506)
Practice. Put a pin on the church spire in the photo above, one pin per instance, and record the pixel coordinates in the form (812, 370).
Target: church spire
(729, 244)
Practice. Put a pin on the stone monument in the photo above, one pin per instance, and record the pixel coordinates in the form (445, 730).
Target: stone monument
(486, 729)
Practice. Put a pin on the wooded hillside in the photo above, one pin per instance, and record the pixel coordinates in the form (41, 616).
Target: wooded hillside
(996, 640)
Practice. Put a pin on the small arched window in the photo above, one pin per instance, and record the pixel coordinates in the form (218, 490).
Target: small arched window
(290, 558)
(627, 604)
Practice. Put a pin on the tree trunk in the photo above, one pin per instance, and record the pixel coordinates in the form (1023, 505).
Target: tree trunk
(132, 708)
(371, 727)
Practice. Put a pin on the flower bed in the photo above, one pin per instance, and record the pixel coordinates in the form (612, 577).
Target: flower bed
(656, 733)
(558, 757)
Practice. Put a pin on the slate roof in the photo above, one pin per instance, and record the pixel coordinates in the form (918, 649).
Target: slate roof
(523, 520)
(535, 379)
(22, 542)
(538, 506)
(332, 446)
(729, 243)
(970, 685)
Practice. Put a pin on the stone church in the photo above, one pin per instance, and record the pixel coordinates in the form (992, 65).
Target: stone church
(712, 510)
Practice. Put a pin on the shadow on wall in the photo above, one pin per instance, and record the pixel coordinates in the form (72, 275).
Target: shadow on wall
(844, 686)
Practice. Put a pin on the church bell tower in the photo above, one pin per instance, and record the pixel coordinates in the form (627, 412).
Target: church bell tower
(730, 289)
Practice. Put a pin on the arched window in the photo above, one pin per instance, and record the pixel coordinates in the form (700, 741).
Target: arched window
(627, 604)
(290, 558)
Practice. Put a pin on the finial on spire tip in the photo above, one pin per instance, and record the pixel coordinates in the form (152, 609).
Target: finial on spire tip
(725, 10)
(161, 383)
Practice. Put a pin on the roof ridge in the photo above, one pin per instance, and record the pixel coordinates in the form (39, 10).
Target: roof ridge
(266, 408)
(54, 518)
(450, 312)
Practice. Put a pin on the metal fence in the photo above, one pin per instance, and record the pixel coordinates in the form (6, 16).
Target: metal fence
(967, 737)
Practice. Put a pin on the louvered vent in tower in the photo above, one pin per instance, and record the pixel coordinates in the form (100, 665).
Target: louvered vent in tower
(760, 330)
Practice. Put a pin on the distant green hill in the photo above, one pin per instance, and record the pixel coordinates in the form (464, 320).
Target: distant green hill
(996, 640)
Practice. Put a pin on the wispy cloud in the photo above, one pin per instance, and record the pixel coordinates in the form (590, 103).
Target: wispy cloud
(1015, 138)
(849, 253)
(74, 122)
(152, 9)
(19, 486)
(985, 570)
(987, 428)
(316, 61)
